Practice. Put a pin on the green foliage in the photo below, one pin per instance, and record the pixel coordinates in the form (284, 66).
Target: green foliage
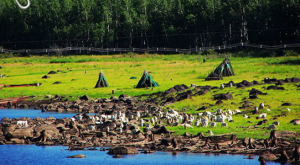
(145, 23)
(208, 52)
(8, 55)
(290, 53)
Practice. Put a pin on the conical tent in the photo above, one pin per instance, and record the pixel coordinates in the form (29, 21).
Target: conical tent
(146, 81)
(101, 81)
(223, 70)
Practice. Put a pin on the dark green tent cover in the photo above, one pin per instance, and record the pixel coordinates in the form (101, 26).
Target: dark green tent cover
(223, 70)
(101, 81)
(146, 81)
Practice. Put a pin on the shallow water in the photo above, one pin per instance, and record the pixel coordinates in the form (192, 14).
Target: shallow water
(18, 113)
(32, 154)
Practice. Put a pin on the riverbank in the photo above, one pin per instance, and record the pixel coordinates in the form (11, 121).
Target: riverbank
(146, 122)
(79, 135)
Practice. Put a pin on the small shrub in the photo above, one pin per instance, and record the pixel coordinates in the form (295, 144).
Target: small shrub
(9, 55)
(290, 53)
(209, 52)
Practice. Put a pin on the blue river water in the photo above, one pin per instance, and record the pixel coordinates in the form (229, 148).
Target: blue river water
(52, 155)
(44, 155)
(18, 113)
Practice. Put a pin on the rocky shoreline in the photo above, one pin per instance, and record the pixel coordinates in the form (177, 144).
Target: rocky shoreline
(126, 123)
(79, 135)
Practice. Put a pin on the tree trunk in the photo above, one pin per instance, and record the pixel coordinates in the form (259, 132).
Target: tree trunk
(273, 134)
(274, 143)
(152, 137)
(233, 138)
(207, 143)
(217, 147)
(266, 143)
(201, 135)
(273, 138)
(251, 145)
(297, 154)
(283, 157)
(245, 142)
(174, 143)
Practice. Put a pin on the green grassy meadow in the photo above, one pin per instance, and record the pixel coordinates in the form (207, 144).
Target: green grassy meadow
(168, 71)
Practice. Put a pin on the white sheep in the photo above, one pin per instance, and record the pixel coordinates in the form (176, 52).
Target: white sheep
(204, 122)
(230, 112)
(261, 106)
(210, 133)
(187, 126)
(98, 123)
(152, 120)
(229, 118)
(119, 130)
(155, 119)
(121, 125)
(91, 128)
(79, 118)
(141, 123)
(92, 118)
(113, 117)
(191, 118)
(237, 111)
(119, 113)
(207, 113)
(197, 123)
(263, 115)
(221, 86)
(22, 124)
(256, 109)
(220, 119)
(180, 118)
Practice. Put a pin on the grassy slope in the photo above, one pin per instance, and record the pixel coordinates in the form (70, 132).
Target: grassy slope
(167, 70)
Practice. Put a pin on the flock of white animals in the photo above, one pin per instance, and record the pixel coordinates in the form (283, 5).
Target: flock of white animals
(171, 117)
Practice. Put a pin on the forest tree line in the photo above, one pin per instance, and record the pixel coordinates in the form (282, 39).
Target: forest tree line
(148, 23)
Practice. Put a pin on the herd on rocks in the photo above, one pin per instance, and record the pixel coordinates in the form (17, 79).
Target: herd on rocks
(117, 127)
(109, 122)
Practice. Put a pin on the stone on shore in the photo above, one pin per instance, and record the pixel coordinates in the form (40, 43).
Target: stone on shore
(77, 156)
(268, 157)
(122, 150)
